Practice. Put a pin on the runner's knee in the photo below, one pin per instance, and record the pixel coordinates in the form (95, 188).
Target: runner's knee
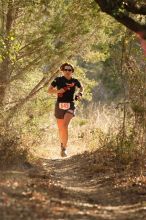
(63, 126)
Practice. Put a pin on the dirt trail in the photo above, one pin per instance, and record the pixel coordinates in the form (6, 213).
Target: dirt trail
(68, 190)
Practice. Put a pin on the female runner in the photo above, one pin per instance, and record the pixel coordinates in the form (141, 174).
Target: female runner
(65, 87)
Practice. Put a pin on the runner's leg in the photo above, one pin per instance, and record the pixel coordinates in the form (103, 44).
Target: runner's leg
(67, 119)
(60, 123)
(63, 128)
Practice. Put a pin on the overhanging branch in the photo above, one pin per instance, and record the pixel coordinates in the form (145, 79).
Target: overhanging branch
(113, 9)
(130, 6)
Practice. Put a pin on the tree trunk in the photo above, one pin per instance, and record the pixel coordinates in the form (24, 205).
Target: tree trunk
(4, 78)
(5, 65)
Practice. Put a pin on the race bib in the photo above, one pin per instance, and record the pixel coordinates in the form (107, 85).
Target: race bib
(64, 106)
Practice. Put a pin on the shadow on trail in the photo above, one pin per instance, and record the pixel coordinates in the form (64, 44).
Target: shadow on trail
(68, 189)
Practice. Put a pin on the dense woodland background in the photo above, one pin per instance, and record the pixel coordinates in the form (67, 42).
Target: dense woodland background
(104, 176)
(36, 37)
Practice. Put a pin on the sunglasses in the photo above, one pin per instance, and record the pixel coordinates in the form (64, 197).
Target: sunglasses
(70, 70)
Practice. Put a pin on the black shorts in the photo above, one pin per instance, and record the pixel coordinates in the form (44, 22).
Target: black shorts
(59, 113)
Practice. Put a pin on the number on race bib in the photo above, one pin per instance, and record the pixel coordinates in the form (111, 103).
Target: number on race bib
(64, 106)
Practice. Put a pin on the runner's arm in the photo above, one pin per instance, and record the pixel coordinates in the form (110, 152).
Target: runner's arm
(81, 89)
(53, 90)
(80, 93)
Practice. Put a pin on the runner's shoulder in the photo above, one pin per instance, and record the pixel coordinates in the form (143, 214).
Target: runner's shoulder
(75, 80)
(58, 78)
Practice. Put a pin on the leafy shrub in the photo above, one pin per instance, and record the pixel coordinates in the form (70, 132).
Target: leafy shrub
(11, 151)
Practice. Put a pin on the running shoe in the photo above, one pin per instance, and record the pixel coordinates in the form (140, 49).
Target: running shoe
(63, 151)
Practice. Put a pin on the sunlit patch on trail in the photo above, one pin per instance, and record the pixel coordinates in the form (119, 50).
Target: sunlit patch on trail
(54, 151)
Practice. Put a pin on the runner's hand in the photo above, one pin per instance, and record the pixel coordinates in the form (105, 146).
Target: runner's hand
(78, 97)
(60, 91)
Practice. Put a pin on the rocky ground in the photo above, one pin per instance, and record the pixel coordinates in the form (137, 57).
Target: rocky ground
(76, 188)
